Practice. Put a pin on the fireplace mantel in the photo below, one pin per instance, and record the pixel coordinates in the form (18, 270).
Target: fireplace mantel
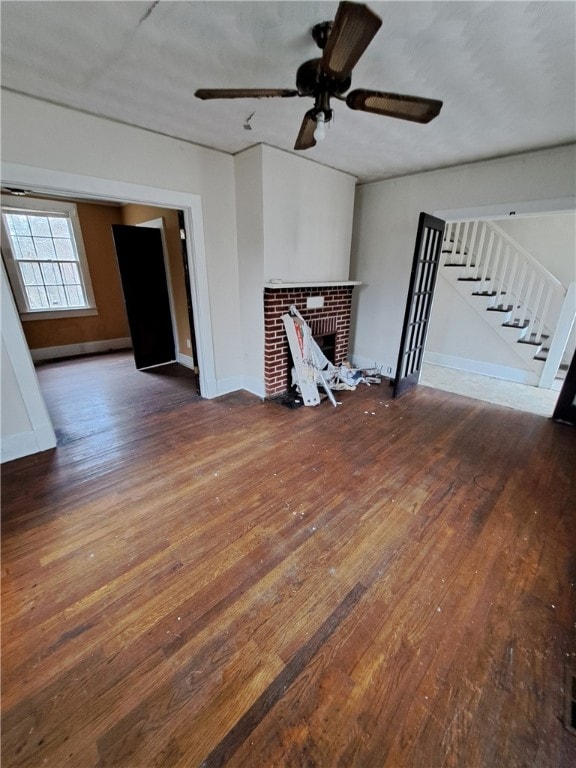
(277, 284)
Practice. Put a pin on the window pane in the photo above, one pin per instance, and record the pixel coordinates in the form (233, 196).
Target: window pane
(70, 274)
(56, 296)
(25, 248)
(39, 226)
(37, 298)
(31, 274)
(17, 224)
(64, 250)
(51, 274)
(75, 296)
(59, 227)
(44, 248)
(44, 251)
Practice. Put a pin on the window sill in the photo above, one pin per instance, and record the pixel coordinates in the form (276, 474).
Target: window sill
(57, 314)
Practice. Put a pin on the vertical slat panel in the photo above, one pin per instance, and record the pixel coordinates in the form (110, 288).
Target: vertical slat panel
(429, 244)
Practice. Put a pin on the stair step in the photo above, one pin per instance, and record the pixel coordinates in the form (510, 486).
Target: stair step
(532, 342)
(470, 279)
(500, 308)
(517, 324)
(542, 354)
(488, 294)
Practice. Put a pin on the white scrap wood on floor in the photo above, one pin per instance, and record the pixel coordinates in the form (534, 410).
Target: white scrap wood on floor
(300, 341)
(312, 367)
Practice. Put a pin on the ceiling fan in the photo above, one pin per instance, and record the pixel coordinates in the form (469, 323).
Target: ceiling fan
(342, 42)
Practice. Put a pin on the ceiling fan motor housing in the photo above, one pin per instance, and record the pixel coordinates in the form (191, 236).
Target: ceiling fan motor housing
(310, 80)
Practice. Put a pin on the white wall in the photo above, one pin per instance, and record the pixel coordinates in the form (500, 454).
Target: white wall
(551, 239)
(386, 218)
(250, 228)
(308, 213)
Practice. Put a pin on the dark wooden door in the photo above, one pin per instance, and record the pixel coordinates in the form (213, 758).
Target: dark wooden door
(566, 405)
(419, 302)
(143, 274)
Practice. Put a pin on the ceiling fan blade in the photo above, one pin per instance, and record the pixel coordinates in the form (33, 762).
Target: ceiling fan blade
(306, 138)
(353, 28)
(413, 108)
(244, 93)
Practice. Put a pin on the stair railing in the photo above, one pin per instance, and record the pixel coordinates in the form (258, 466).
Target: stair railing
(507, 274)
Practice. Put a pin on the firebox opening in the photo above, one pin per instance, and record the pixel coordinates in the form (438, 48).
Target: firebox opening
(327, 344)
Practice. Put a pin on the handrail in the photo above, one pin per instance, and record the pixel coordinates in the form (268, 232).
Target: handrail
(528, 256)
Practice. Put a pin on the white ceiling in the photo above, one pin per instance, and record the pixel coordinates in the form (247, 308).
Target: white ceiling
(505, 71)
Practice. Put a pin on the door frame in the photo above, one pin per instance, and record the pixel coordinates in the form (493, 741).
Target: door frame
(48, 181)
(565, 410)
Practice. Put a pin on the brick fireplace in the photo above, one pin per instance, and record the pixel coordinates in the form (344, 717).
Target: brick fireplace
(329, 323)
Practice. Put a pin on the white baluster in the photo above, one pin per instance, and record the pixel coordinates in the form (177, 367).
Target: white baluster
(536, 304)
(455, 236)
(543, 315)
(495, 274)
(487, 260)
(472, 256)
(502, 292)
(520, 299)
(512, 287)
(463, 256)
(527, 295)
(480, 255)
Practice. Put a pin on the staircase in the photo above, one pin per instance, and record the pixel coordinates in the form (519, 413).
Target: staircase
(525, 304)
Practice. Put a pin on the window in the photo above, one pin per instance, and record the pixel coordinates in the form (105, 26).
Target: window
(44, 254)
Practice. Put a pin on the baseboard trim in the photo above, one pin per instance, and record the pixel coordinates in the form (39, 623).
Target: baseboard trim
(186, 360)
(84, 348)
(504, 372)
(25, 444)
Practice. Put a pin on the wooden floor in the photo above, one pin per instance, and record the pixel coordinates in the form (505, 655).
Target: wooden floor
(388, 584)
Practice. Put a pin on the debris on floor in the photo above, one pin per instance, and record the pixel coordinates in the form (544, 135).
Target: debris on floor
(312, 368)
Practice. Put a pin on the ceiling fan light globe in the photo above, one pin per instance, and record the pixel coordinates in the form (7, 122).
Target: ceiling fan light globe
(320, 130)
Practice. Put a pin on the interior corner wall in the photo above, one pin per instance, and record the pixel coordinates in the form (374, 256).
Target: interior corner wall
(385, 223)
(94, 147)
(250, 233)
(308, 213)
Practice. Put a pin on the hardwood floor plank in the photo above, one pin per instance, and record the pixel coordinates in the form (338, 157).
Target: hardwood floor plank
(253, 716)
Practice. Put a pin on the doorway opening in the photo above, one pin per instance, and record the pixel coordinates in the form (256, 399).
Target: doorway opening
(55, 184)
(466, 355)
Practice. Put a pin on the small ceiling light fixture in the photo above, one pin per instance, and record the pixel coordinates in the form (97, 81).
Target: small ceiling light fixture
(247, 126)
(320, 130)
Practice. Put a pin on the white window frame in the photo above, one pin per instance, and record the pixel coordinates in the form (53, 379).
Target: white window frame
(15, 205)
